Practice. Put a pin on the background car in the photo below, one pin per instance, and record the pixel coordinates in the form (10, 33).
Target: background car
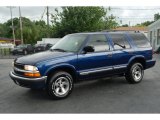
(42, 47)
(23, 49)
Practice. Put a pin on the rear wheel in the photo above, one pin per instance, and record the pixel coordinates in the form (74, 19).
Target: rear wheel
(60, 85)
(135, 73)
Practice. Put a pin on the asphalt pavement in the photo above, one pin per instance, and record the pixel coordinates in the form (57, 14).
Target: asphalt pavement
(110, 95)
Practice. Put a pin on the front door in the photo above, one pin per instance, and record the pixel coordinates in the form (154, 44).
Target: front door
(97, 63)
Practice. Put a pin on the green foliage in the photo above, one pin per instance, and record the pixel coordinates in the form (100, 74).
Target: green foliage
(43, 30)
(125, 25)
(156, 17)
(147, 23)
(32, 30)
(81, 19)
(70, 20)
(2, 30)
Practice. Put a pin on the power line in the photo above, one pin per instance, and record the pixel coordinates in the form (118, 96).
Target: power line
(43, 13)
(132, 18)
(135, 9)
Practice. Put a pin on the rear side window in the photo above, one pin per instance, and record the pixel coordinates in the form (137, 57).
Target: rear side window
(140, 40)
(120, 41)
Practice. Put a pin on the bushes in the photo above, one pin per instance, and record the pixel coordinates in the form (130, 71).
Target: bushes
(5, 51)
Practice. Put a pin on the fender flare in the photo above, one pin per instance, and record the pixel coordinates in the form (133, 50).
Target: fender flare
(62, 65)
(135, 57)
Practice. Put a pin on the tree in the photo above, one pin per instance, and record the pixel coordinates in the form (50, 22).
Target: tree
(109, 23)
(156, 16)
(32, 30)
(147, 23)
(81, 19)
(2, 30)
(125, 25)
(43, 29)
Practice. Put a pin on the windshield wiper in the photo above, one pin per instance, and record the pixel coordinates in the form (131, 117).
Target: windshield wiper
(58, 49)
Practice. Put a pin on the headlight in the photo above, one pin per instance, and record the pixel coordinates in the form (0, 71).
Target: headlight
(30, 68)
(32, 71)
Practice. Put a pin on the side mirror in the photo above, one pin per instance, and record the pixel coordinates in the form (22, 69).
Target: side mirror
(88, 49)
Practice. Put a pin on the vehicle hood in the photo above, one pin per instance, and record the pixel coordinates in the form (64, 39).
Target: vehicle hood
(42, 56)
(16, 49)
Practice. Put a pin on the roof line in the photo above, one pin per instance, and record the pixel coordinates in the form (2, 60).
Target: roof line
(154, 23)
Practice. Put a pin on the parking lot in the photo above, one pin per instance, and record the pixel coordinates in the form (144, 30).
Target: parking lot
(111, 95)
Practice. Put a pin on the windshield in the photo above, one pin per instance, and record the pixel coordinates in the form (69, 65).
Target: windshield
(70, 43)
(37, 45)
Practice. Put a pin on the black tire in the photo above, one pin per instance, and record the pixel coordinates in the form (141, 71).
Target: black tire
(57, 88)
(135, 73)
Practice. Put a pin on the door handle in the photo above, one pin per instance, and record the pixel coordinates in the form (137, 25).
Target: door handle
(130, 52)
(109, 55)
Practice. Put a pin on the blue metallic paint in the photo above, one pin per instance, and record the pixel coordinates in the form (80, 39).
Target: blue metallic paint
(104, 63)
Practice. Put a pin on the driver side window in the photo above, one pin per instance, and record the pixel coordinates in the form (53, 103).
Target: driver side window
(99, 43)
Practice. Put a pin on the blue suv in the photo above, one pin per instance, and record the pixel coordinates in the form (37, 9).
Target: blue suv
(83, 56)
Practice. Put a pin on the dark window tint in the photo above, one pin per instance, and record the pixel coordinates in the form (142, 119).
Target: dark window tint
(99, 42)
(140, 40)
(119, 41)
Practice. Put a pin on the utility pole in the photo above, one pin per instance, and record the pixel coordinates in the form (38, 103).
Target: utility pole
(48, 16)
(21, 28)
(13, 33)
(48, 20)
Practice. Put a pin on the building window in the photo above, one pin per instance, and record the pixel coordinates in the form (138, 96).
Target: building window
(158, 37)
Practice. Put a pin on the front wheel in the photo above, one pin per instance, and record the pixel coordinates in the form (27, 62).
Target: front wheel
(60, 85)
(135, 73)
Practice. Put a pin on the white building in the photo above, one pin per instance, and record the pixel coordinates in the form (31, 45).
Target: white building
(154, 34)
(48, 40)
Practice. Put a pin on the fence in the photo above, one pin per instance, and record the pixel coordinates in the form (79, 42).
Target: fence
(5, 53)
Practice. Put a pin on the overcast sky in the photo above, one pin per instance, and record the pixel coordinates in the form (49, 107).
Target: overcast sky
(132, 15)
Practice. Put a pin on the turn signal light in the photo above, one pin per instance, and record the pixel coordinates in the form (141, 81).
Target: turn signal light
(32, 74)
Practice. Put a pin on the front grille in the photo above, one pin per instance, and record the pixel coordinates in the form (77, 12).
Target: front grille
(19, 66)
(18, 72)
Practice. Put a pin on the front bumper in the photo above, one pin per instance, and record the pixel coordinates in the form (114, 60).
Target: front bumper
(28, 82)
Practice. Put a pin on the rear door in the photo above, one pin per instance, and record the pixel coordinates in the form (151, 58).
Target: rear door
(122, 51)
(97, 63)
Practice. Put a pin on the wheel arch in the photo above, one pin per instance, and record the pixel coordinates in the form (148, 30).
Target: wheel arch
(140, 59)
(66, 68)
